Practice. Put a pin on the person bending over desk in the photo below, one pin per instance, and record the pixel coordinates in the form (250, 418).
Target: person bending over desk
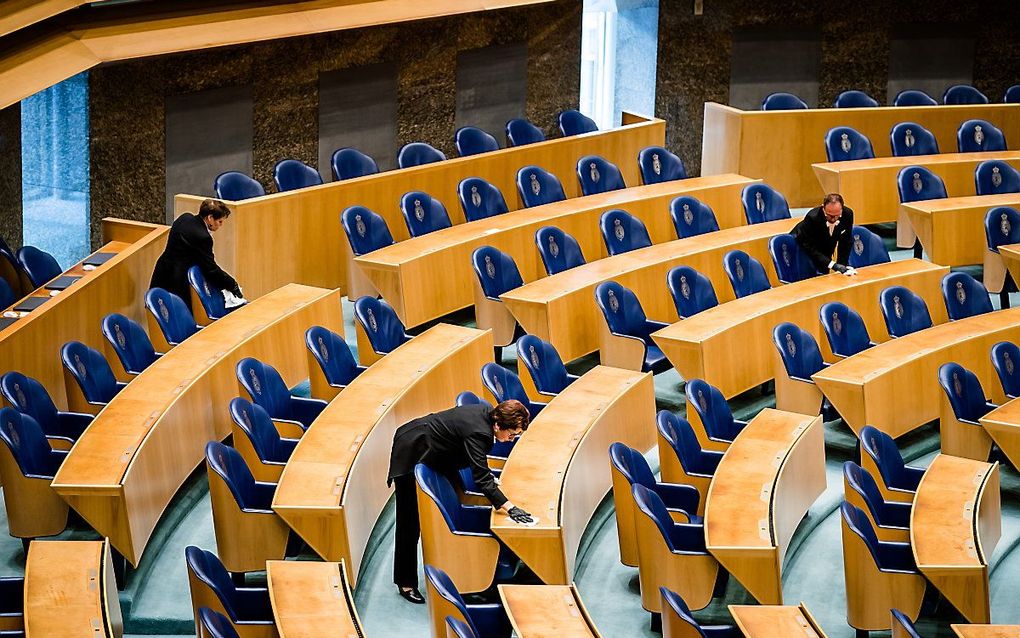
(447, 441)
(826, 229)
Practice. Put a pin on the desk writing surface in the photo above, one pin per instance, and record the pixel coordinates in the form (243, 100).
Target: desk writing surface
(775, 621)
(311, 599)
(1003, 425)
(546, 611)
(952, 230)
(986, 631)
(77, 270)
(1011, 258)
(64, 590)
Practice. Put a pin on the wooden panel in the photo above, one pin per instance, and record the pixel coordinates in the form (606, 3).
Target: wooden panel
(18, 14)
(68, 591)
(986, 631)
(775, 621)
(546, 611)
(1011, 257)
(1003, 425)
(952, 230)
(311, 600)
(125, 469)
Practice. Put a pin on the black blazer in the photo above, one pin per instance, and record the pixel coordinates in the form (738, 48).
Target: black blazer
(189, 244)
(812, 234)
(447, 442)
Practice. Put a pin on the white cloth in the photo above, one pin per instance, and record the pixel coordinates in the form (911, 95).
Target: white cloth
(230, 300)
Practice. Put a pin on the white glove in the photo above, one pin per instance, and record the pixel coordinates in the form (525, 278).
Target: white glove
(850, 271)
(230, 300)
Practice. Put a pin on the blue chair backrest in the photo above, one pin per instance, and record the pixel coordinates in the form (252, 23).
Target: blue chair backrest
(1012, 95)
(258, 426)
(209, 296)
(782, 101)
(129, 341)
(910, 138)
(798, 349)
(964, 296)
(91, 370)
(418, 153)
(679, 608)
(963, 94)
(444, 587)
(558, 249)
(860, 524)
(746, 274)
(861, 481)
(883, 451)
(1002, 226)
(459, 628)
(382, 326)
(538, 186)
(975, 136)
(652, 506)
(913, 97)
(659, 165)
(791, 262)
(266, 387)
(1006, 361)
(962, 387)
(844, 143)
(623, 232)
(6, 294)
(215, 624)
(349, 163)
(471, 140)
(692, 291)
(622, 310)
(437, 487)
(291, 174)
(867, 248)
(520, 132)
(574, 122)
(234, 186)
(332, 354)
(27, 443)
(854, 99)
(598, 175)
(844, 328)
(544, 364)
(38, 264)
(503, 384)
(480, 199)
(993, 177)
(905, 624)
(470, 398)
(632, 465)
(207, 568)
(366, 230)
(423, 213)
(762, 203)
(712, 408)
(172, 315)
(692, 217)
(916, 183)
(680, 435)
(28, 396)
(496, 271)
(230, 465)
(904, 311)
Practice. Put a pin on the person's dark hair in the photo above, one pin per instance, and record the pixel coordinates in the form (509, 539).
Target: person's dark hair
(214, 207)
(832, 198)
(510, 415)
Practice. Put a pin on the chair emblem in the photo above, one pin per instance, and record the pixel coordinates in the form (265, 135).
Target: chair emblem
(844, 143)
(908, 138)
(979, 135)
(957, 386)
(685, 288)
(19, 394)
(372, 323)
(837, 325)
(786, 255)
(359, 225)
(759, 203)
(121, 341)
(791, 347)
(593, 172)
(80, 367)
(701, 401)
(476, 197)
(163, 312)
(1009, 363)
(498, 386)
(323, 351)
(13, 434)
(490, 268)
(246, 418)
(419, 210)
(688, 214)
(961, 294)
(897, 307)
(534, 356)
(614, 303)
(255, 381)
(536, 188)
(1004, 224)
(739, 268)
(656, 164)
(205, 286)
(618, 230)
(858, 244)
(917, 183)
(996, 177)
(554, 248)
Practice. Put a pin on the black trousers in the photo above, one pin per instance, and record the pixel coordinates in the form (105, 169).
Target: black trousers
(408, 530)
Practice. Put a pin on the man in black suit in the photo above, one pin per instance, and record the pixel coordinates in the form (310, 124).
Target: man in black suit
(447, 441)
(826, 229)
(190, 243)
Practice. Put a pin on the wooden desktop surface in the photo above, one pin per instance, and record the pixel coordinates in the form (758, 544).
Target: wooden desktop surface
(986, 631)
(559, 470)
(955, 524)
(1003, 425)
(730, 346)
(311, 599)
(775, 621)
(1011, 258)
(430, 276)
(334, 486)
(547, 611)
(952, 230)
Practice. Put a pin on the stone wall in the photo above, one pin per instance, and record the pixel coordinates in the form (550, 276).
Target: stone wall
(10, 175)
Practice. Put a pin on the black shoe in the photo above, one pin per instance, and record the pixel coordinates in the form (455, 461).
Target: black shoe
(411, 595)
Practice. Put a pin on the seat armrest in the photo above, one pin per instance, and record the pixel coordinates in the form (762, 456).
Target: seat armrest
(490, 619)
(534, 407)
(306, 410)
(253, 605)
(264, 493)
(720, 631)
(476, 519)
(288, 444)
(689, 538)
(655, 325)
(914, 474)
(676, 496)
(73, 423)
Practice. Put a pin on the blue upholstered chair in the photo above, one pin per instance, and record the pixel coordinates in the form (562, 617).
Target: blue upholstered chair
(782, 101)
(1005, 360)
(423, 213)
(349, 163)
(12, 272)
(962, 406)
(798, 358)
(902, 625)
(27, 467)
(292, 174)
(12, 604)
(558, 249)
(891, 519)
(211, 304)
(129, 342)
(1002, 226)
(917, 183)
(976, 136)
(845, 329)
(266, 387)
(994, 177)
(682, 459)
(692, 292)
(910, 138)
(881, 457)
(520, 132)
(762, 203)
(913, 97)
(597, 175)
(623, 232)
(658, 165)
(366, 231)
(574, 122)
(843, 143)
(904, 311)
(791, 262)
(28, 396)
(963, 94)
(854, 99)
(964, 296)
(247, 608)
(94, 384)
(331, 363)
(538, 186)
(480, 199)
(746, 274)
(234, 186)
(625, 338)
(381, 331)
(170, 320)
(258, 441)
(505, 385)
(546, 373)
(471, 140)
(677, 621)
(39, 265)
(7, 297)
(691, 217)
(714, 417)
(867, 249)
(417, 154)
(470, 398)
(1012, 95)
(486, 620)
(458, 628)
(495, 273)
(215, 625)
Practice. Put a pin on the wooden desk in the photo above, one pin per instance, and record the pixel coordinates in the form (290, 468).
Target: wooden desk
(430, 276)
(312, 600)
(561, 309)
(123, 472)
(334, 486)
(1003, 425)
(986, 631)
(547, 611)
(730, 346)
(311, 248)
(1011, 258)
(952, 230)
(894, 386)
(763, 487)
(559, 470)
(775, 621)
(781, 146)
(70, 591)
(954, 526)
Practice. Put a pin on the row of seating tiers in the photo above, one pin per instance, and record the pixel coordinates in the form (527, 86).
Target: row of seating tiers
(843, 143)
(852, 99)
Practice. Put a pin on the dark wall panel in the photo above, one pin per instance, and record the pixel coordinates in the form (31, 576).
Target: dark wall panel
(358, 108)
(928, 62)
(10, 176)
(768, 60)
(492, 87)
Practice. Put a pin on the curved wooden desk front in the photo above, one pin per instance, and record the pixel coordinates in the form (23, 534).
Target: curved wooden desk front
(952, 230)
(763, 487)
(312, 600)
(986, 631)
(334, 486)
(775, 621)
(730, 346)
(547, 611)
(894, 386)
(955, 524)
(70, 591)
(123, 472)
(561, 309)
(781, 146)
(430, 276)
(559, 470)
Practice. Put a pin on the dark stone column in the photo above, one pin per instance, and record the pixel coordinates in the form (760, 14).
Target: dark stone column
(11, 220)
